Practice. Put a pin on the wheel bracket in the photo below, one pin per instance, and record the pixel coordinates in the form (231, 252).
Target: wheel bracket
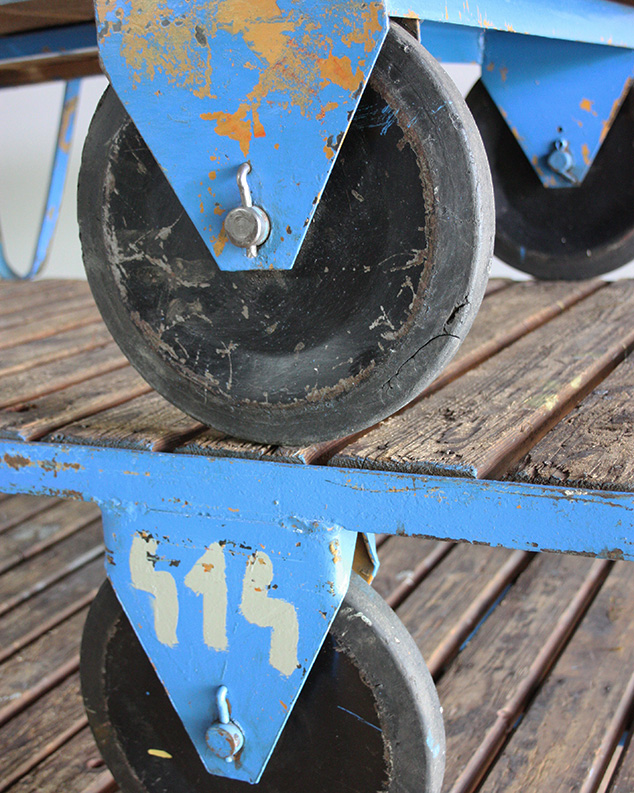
(210, 85)
(229, 605)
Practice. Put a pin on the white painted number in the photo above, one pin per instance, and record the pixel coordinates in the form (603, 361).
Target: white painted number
(208, 578)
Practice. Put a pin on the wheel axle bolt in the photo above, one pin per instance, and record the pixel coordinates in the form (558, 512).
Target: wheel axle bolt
(224, 737)
(247, 226)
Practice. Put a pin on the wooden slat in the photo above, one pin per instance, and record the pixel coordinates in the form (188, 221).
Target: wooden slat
(39, 70)
(42, 293)
(51, 651)
(49, 563)
(593, 444)
(42, 328)
(431, 611)
(34, 536)
(53, 309)
(16, 509)
(624, 776)
(483, 422)
(40, 723)
(554, 746)
(31, 384)
(25, 619)
(494, 663)
(399, 558)
(67, 770)
(54, 348)
(47, 414)
(148, 422)
(36, 14)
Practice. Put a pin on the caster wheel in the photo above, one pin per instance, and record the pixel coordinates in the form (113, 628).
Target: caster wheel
(367, 719)
(386, 285)
(569, 233)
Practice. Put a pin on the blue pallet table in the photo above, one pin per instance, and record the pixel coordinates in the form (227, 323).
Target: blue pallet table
(524, 443)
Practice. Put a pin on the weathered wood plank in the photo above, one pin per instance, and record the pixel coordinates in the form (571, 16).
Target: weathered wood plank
(32, 537)
(624, 777)
(56, 558)
(431, 611)
(16, 509)
(482, 423)
(50, 310)
(41, 328)
(554, 745)
(18, 16)
(71, 769)
(487, 671)
(36, 419)
(399, 557)
(148, 422)
(40, 723)
(46, 605)
(33, 383)
(41, 293)
(53, 348)
(593, 444)
(25, 670)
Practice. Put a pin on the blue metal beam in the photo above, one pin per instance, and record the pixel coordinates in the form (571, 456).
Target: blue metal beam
(509, 514)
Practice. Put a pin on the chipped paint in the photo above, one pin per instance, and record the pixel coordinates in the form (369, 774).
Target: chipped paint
(208, 578)
(160, 753)
(159, 584)
(585, 153)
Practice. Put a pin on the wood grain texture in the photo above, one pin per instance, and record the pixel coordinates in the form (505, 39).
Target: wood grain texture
(23, 296)
(53, 348)
(36, 14)
(33, 420)
(147, 423)
(46, 378)
(482, 423)
(56, 307)
(494, 662)
(16, 509)
(399, 558)
(554, 745)
(593, 444)
(41, 328)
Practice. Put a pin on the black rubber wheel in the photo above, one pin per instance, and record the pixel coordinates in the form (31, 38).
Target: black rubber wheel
(568, 233)
(367, 720)
(386, 286)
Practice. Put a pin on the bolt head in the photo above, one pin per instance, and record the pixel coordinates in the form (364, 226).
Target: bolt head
(247, 226)
(225, 740)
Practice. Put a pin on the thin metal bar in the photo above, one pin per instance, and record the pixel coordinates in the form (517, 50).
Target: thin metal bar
(44, 627)
(45, 583)
(450, 645)
(620, 721)
(421, 571)
(8, 563)
(39, 757)
(45, 685)
(507, 717)
(55, 191)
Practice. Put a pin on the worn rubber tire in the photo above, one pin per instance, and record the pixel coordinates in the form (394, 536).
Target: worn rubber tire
(367, 720)
(567, 233)
(386, 286)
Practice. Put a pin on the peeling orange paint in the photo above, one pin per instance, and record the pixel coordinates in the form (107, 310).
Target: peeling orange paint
(327, 108)
(212, 175)
(329, 151)
(585, 152)
(504, 72)
(607, 124)
(218, 210)
(586, 105)
(221, 241)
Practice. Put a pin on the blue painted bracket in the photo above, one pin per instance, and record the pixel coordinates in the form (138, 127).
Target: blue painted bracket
(232, 602)
(266, 541)
(55, 193)
(562, 94)
(211, 85)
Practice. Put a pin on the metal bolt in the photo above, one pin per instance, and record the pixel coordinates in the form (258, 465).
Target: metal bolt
(224, 737)
(247, 226)
(560, 160)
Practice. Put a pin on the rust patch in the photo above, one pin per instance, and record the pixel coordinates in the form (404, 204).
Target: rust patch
(16, 461)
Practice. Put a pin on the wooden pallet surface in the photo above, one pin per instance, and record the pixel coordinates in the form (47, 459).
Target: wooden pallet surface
(485, 619)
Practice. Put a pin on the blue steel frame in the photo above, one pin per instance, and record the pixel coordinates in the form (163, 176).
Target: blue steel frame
(210, 85)
(276, 541)
(55, 192)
